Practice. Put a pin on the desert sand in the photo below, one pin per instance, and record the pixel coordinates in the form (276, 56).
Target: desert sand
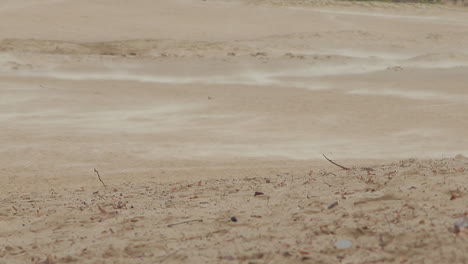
(207, 121)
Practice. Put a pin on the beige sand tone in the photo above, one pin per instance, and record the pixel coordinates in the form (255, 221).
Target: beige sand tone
(187, 108)
(395, 213)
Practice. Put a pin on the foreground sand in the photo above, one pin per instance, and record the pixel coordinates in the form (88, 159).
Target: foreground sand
(187, 108)
(394, 213)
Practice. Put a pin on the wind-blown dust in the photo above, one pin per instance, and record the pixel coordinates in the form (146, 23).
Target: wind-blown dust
(195, 113)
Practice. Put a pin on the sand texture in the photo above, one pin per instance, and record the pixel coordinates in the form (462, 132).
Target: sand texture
(188, 108)
(395, 213)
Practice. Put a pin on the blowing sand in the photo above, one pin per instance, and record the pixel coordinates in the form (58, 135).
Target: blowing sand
(189, 108)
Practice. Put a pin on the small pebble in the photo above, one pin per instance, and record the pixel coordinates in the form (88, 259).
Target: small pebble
(234, 219)
(330, 206)
(461, 224)
(343, 244)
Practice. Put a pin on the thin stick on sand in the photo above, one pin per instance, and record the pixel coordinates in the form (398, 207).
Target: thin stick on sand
(334, 163)
(168, 256)
(185, 222)
(99, 177)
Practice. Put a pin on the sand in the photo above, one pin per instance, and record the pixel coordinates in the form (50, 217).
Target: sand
(188, 108)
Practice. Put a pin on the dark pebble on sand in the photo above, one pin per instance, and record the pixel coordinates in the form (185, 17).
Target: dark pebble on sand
(330, 206)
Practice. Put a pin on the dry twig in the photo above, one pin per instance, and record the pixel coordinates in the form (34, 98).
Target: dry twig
(168, 256)
(185, 222)
(334, 163)
(99, 177)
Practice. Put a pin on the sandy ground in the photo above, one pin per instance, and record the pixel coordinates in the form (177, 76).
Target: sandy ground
(187, 108)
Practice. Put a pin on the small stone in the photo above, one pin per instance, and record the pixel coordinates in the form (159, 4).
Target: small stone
(330, 206)
(343, 244)
(234, 219)
(461, 224)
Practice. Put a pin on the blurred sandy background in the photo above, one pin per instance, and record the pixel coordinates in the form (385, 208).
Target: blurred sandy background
(187, 108)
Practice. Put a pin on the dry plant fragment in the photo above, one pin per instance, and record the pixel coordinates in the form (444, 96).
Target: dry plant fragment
(168, 256)
(336, 164)
(99, 177)
(185, 222)
(104, 215)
